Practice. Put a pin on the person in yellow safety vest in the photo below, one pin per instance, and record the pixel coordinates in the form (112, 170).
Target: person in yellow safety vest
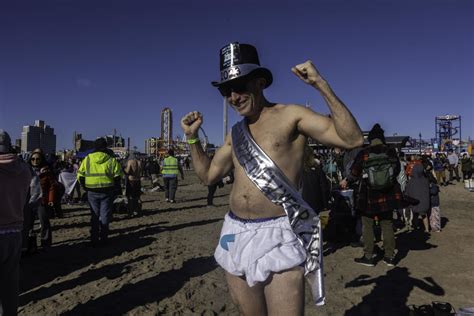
(170, 171)
(100, 175)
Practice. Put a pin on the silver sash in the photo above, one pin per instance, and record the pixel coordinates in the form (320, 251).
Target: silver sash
(272, 182)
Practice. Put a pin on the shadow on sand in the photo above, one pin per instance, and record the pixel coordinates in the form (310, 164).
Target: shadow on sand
(412, 241)
(61, 260)
(390, 294)
(154, 289)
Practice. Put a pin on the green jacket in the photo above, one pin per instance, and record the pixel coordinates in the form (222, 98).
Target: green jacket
(99, 170)
(170, 166)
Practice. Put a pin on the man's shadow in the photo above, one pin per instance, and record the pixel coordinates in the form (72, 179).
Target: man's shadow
(154, 289)
(390, 294)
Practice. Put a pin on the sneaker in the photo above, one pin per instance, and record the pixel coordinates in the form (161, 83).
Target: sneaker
(167, 200)
(172, 201)
(389, 261)
(365, 261)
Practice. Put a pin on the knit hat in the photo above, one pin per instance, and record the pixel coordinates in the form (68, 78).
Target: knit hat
(5, 142)
(376, 132)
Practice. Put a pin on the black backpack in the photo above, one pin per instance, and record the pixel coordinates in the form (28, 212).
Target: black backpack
(379, 171)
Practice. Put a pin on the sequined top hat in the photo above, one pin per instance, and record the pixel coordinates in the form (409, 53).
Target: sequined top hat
(240, 61)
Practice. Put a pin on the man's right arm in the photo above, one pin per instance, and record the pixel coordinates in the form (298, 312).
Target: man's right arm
(209, 171)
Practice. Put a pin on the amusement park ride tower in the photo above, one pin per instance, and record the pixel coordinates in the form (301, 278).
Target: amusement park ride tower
(167, 127)
(448, 131)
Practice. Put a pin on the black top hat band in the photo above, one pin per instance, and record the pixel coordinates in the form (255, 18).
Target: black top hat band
(237, 71)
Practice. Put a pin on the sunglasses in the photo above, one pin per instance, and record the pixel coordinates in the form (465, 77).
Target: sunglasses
(237, 86)
(35, 159)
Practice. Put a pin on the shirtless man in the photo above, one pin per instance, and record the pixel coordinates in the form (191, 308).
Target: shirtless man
(273, 285)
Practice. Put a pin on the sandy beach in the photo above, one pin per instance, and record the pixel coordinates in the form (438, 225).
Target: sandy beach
(162, 264)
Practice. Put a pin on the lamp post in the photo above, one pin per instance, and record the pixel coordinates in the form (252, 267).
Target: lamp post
(225, 119)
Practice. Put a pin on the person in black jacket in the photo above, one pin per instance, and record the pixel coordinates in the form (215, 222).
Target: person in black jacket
(315, 183)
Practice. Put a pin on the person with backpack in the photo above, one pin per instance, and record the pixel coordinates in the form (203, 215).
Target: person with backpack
(376, 168)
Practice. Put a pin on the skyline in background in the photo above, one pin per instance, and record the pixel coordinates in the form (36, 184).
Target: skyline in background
(92, 67)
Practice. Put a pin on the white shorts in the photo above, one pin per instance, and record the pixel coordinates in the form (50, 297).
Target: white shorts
(256, 248)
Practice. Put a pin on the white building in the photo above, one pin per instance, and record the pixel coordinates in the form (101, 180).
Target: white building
(152, 145)
(38, 136)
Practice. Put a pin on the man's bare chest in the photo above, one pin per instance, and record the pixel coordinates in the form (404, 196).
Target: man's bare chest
(274, 139)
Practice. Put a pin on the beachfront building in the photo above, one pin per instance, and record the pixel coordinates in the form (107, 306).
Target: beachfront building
(82, 145)
(152, 145)
(167, 127)
(38, 136)
(114, 141)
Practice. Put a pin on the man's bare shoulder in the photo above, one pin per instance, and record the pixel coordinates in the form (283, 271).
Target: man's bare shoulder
(291, 111)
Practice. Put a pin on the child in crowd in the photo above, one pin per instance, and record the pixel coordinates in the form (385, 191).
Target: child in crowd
(435, 216)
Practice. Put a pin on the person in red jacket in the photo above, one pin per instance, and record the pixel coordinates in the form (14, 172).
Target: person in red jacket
(49, 196)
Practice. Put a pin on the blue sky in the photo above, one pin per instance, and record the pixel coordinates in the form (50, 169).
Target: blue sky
(92, 66)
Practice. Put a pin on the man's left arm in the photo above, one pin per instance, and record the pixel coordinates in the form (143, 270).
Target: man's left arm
(341, 129)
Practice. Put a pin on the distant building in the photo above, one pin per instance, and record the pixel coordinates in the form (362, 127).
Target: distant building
(115, 141)
(167, 126)
(38, 136)
(152, 146)
(82, 144)
(17, 146)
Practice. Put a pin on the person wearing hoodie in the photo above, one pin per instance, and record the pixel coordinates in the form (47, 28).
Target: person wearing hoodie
(15, 177)
(100, 175)
(418, 187)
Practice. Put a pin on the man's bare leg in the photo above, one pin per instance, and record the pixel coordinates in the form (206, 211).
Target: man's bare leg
(284, 292)
(250, 300)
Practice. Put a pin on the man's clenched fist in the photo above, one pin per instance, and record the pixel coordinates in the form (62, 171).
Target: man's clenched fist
(190, 123)
(308, 73)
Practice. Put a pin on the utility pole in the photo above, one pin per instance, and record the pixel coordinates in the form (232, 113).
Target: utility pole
(225, 119)
(420, 142)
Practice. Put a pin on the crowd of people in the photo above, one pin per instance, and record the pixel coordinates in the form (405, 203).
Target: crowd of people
(327, 174)
(415, 205)
(34, 189)
(365, 184)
